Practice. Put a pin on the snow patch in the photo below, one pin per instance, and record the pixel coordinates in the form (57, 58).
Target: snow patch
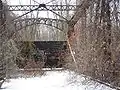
(53, 80)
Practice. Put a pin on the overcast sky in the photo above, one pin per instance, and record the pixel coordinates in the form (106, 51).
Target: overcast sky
(27, 2)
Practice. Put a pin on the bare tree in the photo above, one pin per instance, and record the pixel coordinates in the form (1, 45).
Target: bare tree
(8, 50)
(95, 40)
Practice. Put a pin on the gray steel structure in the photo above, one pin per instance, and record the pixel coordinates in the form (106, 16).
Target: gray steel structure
(58, 24)
(50, 7)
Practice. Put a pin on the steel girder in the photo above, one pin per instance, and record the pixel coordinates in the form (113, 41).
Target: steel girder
(56, 23)
(50, 7)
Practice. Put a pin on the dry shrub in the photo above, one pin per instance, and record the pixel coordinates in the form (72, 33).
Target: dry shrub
(96, 42)
(8, 50)
(33, 68)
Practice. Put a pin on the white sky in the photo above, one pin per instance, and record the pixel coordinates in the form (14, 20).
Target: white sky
(27, 2)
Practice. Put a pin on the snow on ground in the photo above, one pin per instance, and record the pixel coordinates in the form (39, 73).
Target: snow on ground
(53, 80)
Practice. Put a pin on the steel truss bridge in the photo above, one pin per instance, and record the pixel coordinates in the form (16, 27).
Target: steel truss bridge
(56, 23)
(50, 7)
(21, 23)
(61, 25)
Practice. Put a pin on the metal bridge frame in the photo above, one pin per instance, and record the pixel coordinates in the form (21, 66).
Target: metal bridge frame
(62, 25)
(56, 23)
(50, 7)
